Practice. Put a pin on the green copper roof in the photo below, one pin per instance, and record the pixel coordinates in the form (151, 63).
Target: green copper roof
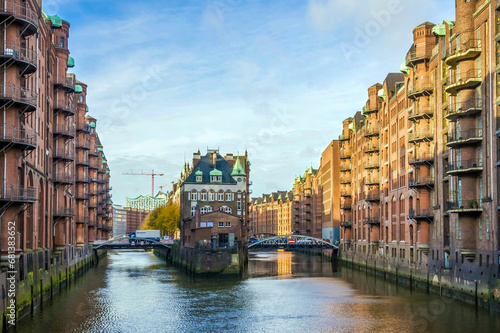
(238, 169)
(87, 109)
(78, 88)
(311, 170)
(404, 69)
(71, 62)
(107, 172)
(351, 126)
(56, 21)
(99, 149)
(92, 124)
(381, 94)
(199, 173)
(439, 30)
(450, 23)
(215, 172)
(104, 161)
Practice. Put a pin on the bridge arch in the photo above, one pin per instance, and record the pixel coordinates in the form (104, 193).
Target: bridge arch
(269, 241)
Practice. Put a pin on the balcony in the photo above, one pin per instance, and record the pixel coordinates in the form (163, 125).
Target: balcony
(82, 196)
(83, 144)
(421, 182)
(66, 82)
(421, 113)
(422, 158)
(470, 79)
(371, 132)
(26, 18)
(371, 221)
(85, 128)
(471, 166)
(421, 136)
(14, 137)
(64, 131)
(94, 153)
(345, 167)
(465, 206)
(82, 219)
(345, 193)
(64, 179)
(370, 110)
(373, 196)
(82, 161)
(370, 149)
(64, 107)
(92, 204)
(344, 155)
(83, 179)
(419, 90)
(65, 155)
(62, 212)
(17, 194)
(372, 181)
(24, 98)
(417, 56)
(372, 165)
(344, 138)
(23, 57)
(346, 224)
(345, 180)
(468, 50)
(465, 137)
(345, 206)
(421, 214)
(469, 108)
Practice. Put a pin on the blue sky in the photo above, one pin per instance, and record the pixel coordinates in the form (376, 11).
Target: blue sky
(274, 77)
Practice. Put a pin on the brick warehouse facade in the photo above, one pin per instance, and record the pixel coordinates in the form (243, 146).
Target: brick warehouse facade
(419, 162)
(55, 181)
(312, 208)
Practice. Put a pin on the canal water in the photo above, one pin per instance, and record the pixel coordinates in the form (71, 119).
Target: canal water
(284, 292)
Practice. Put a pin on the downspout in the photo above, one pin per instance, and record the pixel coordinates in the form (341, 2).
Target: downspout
(492, 118)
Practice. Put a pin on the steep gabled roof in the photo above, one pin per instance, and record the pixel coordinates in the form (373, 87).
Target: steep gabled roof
(206, 166)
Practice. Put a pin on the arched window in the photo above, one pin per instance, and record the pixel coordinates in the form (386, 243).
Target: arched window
(402, 204)
(393, 206)
(229, 195)
(211, 195)
(221, 195)
(206, 209)
(203, 195)
(225, 209)
(194, 195)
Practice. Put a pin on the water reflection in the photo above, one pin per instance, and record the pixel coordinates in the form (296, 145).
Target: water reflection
(285, 292)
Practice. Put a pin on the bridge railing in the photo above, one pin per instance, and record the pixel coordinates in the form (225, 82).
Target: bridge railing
(293, 241)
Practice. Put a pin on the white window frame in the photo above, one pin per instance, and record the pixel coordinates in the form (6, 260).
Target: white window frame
(228, 196)
(194, 195)
(204, 196)
(211, 196)
(228, 224)
(221, 224)
(221, 196)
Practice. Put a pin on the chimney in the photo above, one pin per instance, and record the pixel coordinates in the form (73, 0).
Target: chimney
(196, 158)
(229, 157)
(197, 217)
(214, 159)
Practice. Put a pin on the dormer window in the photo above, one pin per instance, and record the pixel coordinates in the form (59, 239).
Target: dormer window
(215, 176)
(216, 179)
(198, 179)
(199, 176)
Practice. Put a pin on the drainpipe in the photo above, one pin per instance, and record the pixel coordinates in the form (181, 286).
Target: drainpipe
(492, 140)
(4, 120)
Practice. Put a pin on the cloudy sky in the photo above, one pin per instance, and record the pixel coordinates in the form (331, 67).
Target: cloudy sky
(169, 77)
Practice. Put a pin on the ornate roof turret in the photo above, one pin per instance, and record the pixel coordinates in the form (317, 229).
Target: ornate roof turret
(238, 169)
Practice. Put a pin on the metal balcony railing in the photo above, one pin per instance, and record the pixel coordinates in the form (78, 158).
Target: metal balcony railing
(18, 94)
(63, 153)
(66, 81)
(465, 135)
(15, 135)
(63, 129)
(16, 52)
(19, 11)
(457, 78)
(420, 213)
(463, 205)
(64, 211)
(463, 47)
(470, 106)
(17, 193)
(65, 106)
(421, 158)
(465, 165)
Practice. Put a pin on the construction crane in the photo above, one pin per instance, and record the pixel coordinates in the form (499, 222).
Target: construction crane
(161, 188)
(152, 174)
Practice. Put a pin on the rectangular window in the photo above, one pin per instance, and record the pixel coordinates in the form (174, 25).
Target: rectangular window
(203, 196)
(221, 224)
(458, 230)
(228, 224)
(480, 229)
(221, 196)
(203, 224)
(211, 196)
(61, 42)
(228, 197)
